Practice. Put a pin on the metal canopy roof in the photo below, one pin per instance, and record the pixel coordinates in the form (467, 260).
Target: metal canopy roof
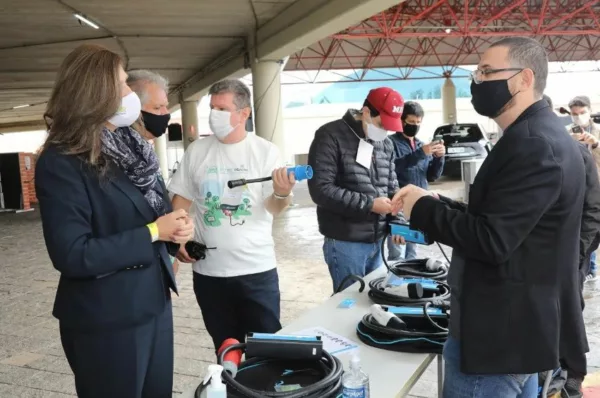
(450, 33)
(192, 42)
(175, 38)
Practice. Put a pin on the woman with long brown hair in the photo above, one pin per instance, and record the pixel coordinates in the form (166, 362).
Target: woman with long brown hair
(109, 229)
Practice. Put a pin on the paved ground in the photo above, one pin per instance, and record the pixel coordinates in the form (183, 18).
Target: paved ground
(31, 359)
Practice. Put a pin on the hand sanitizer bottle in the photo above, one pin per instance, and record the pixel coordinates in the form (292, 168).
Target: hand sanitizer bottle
(355, 382)
(216, 389)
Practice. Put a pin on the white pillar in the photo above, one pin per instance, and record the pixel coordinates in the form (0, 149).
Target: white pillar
(160, 145)
(268, 115)
(189, 122)
(449, 101)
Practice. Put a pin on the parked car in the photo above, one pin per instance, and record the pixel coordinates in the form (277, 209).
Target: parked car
(464, 141)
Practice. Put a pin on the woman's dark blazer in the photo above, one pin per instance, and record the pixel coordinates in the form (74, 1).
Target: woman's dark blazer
(111, 274)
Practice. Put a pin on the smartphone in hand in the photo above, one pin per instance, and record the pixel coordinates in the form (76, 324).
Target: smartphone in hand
(438, 139)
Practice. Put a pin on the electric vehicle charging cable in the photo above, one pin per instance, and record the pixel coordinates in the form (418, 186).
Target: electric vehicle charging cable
(328, 387)
(411, 293)
(424, 268)
(399, 329)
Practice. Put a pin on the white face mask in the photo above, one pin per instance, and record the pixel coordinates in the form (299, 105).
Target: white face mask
(220, 123)
(581, 120)
(376, 133)
(128, 112)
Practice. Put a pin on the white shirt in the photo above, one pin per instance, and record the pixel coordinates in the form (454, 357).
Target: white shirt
(234, 221)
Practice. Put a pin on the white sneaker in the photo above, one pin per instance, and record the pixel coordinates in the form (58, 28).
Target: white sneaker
(591, 278)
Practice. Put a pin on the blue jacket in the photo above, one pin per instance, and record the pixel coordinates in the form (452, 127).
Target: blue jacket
(414, 166)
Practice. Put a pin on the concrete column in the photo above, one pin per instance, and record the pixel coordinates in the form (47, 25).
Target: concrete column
(160, 145)
(449, 101)
(189, 122)
(268, 115)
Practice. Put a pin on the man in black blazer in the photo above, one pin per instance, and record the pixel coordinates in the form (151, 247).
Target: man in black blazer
(573, 359)
(514, 271)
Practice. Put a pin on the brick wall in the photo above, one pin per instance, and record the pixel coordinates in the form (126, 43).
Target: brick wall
(27, 167)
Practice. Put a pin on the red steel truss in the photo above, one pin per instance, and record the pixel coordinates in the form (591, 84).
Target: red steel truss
(450, 33)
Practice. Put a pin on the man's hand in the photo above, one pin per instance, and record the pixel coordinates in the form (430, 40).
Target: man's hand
(588, 139)
(183, 256)
(185, 233)
(382, 206)
(399, 240)
(438, 150)
(428, 148)
(283, 183)
(175, 267)
(405, 199)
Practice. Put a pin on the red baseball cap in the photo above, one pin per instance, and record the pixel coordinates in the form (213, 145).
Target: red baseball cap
(389, 103)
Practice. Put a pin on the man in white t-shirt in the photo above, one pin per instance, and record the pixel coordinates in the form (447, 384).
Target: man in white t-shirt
(236, 285)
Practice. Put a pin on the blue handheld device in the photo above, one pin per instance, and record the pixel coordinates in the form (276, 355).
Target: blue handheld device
(409, 235)
(301, 172)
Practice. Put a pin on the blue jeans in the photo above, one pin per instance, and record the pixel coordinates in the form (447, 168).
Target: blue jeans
(401, 252)
(350, 258)
(460, 385)
(593, 267)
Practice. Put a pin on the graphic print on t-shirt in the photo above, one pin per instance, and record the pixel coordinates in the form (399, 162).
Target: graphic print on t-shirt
(223, 204)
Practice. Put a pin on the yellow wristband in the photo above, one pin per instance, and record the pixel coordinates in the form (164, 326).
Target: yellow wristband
(153, 228)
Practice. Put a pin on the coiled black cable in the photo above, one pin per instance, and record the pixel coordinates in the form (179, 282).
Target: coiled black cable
(379, 296)
(414, 268)
(417, 269)
(421, 335)
(328, 387)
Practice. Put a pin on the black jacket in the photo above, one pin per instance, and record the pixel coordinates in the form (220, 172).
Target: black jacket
(590, 223)
(572, 347)
(519, 240)
(111, 274)
(342, 189)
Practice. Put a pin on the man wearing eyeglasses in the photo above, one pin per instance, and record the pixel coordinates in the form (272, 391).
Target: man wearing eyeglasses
(514, 272)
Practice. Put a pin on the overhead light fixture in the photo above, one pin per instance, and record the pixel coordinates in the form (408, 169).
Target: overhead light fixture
(448, 30)
(86, 21)
(21, 106)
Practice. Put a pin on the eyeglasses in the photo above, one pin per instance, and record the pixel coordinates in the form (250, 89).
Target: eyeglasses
(478, 74)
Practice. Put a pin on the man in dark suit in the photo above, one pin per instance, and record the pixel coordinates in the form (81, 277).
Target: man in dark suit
(573, 361)
(514, 274)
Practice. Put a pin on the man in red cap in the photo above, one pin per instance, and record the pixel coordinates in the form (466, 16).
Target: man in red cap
(354, 181)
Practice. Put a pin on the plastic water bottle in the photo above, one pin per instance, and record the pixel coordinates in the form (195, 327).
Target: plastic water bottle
(216, 388)
(355, 382)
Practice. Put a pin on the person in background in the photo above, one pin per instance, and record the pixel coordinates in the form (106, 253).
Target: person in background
(574, 362)
(152, 90)
(109, 229)
(416, 163)
(354, 180)
(236, 285)
(585, 130)
(514, 272)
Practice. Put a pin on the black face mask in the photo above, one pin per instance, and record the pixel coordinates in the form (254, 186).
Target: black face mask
(156, 124)
(490, 96)
(410, 130)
